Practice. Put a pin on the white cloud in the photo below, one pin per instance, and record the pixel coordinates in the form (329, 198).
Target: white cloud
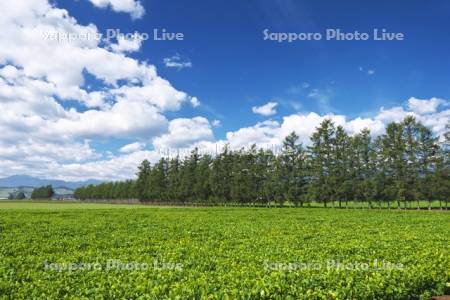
(30, 110)
(43, 133)
(9, 72)
(393, 114)
(195, 102)
(184, 132)
(97, 99)
(177, 62)
(370, 72)
(30, 150)
(38, 70)
(303, 124)
(115, 168)
(133, 147)
(264, 134)
(424, 106)
(436, 121)
(158, 92)
(127, 44)
(81, 162)
(133, 7)
(270, 134)
(125, 119)
(355, 126)
(267, 109)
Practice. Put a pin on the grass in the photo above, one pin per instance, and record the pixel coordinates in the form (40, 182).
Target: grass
(57, 250)
(57, 205)
(104, 204)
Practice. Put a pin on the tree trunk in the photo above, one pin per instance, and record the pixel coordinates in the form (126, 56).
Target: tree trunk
(429, 204)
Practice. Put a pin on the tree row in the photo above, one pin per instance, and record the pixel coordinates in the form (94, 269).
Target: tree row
(43, 192)
(404, 165)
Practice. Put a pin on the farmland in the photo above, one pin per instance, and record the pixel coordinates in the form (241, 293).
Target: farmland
(78, 250)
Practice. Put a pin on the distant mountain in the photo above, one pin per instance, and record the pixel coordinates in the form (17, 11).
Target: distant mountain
(30, 181)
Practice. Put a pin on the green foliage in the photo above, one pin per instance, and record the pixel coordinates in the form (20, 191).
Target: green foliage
(123, 190)
(406, 164)
(17, 195)
(225, 253)
(143, 176)
(44, 192)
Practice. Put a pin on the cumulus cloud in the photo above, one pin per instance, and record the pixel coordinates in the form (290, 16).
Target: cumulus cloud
(114, 168)
(270, 134)
(157, 92)
(424, 106)
(267, 109)
(132, 7)
(124, 119)
(127, 44)
(184, 132)
(133, 147)
(43, 72)
(195, 102)
(45, 134)
(9, 72)
(264, 134)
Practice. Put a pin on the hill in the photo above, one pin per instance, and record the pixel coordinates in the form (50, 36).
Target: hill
(26, 184)
(30, 181)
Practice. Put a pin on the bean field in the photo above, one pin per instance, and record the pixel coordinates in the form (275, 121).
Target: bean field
(56, 251)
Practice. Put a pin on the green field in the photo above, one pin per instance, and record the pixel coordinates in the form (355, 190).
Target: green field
(57, 250)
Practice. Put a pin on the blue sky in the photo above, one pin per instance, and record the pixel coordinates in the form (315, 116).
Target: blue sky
(234, 68)
(232, 71)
